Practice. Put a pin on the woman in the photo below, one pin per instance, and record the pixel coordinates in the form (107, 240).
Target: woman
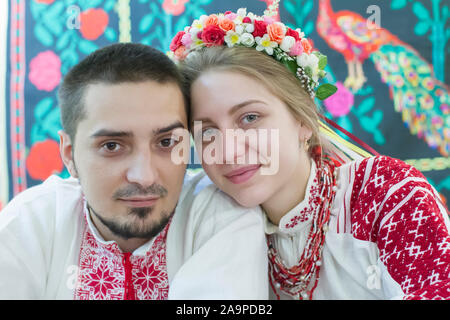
(339, 225)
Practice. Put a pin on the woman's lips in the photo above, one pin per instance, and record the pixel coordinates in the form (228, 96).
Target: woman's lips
(139, 202)
(242, 174)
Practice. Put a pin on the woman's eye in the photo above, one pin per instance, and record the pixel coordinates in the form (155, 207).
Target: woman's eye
(208, 133)
(111, 146)
(249, 118)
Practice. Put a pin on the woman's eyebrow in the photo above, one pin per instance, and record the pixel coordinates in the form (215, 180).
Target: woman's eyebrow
(243, 104)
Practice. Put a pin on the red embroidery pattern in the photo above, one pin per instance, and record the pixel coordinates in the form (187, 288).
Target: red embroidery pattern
(396, 208)
(102, 271)
(313, 201)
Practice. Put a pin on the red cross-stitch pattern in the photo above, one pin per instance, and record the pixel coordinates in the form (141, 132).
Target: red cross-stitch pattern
(101, 274)
(395, 207)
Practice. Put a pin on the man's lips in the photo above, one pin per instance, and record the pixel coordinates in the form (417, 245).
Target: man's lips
(138, 202)
(242, 174)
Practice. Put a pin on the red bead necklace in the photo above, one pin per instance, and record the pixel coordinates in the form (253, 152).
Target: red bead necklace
(301, 280)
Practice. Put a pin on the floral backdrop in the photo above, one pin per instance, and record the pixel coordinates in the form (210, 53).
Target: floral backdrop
(401, 110)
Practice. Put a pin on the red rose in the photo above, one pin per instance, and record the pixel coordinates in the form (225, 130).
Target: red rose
(93, 23)
(44, 160)
(212, 35)
(260, 28)
(293, 33)
(176, 41)
(247, 20)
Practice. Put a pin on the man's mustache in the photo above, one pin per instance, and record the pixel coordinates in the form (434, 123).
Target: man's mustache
(137, 190)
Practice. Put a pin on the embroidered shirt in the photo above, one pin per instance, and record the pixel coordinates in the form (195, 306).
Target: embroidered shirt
(388, 235)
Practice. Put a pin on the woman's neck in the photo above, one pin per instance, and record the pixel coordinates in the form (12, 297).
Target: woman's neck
(291, 194)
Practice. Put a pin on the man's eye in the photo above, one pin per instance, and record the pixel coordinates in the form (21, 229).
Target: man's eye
(167, 143)
(111, 146)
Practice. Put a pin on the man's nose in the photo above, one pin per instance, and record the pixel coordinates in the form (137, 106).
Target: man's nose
(142, 170)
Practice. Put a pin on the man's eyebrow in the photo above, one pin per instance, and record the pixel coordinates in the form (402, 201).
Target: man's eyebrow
(111, 133)
(169, 128)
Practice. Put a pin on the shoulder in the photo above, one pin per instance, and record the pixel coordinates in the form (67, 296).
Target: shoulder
(385, 189)
(208, 204)
(40, 203)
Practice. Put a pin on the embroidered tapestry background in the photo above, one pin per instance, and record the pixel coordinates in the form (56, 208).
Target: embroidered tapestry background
(401, 111)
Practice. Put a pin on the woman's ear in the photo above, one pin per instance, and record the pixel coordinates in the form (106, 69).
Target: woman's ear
(304, 133)
(66, 151)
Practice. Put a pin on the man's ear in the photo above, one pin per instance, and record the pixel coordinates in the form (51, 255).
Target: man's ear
(66, 150)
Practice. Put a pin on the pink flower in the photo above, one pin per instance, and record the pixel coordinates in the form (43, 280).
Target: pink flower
(45, 71)
(186, 40)
(297, 49)
(340, 103)
(176, 41)
(231, 16)
(174, 7)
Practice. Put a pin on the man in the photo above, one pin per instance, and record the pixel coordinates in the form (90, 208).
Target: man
(124, 226)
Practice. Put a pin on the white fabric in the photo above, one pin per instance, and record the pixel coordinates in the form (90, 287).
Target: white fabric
(215, 249)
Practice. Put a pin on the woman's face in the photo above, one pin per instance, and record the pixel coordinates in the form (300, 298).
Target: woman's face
(248, 140)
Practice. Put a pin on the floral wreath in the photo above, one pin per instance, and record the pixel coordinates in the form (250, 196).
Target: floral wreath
(265, 34)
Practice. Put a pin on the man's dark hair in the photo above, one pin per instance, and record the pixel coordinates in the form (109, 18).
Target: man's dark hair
(114, 64)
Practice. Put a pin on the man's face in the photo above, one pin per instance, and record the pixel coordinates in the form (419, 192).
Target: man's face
(122, 155)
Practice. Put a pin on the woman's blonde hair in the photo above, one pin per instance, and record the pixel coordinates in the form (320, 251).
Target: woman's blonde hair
(272, 74)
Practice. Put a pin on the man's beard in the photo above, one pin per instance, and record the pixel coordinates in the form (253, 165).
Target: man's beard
(129, 230)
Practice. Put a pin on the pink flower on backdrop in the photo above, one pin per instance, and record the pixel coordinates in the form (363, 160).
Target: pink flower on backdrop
(45, 71)
(45, 1)
(340, 103)
(174, 7)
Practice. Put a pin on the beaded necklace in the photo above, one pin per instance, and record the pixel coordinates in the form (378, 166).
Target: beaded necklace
(301, 280)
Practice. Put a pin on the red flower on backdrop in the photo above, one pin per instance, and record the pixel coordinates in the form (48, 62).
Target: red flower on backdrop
(45, 1)
(174, 7)
(44, 160)
(212, 35)
(93, 23)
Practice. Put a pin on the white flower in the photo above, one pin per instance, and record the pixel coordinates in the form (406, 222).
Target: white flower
(249, 27)
(232, 38)
(196, 27)
(266, 44)
(203, 18)
(308, 60)
(242, 12)
(300, 33)
(247, 40)
(239, 28)
(287, 43)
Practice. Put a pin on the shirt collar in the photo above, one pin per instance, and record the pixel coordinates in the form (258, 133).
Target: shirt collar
(300, 216)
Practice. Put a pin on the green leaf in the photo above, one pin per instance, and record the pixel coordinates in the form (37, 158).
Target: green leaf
(420, 11)
(111, 34)
(398, 4)
(289, 7)
(308, 29)
(42, 108)
(291, 65)
(43, 35)
(323, 60)
(87, 47)
(146, 23)
(365, 106)
(63, 40)
(421, 28)
(325, 90)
